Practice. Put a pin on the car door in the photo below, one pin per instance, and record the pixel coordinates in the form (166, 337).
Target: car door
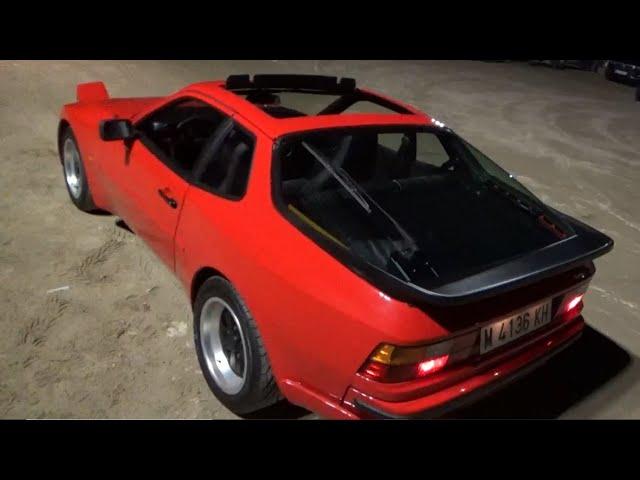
(158, 167)
(216, 222)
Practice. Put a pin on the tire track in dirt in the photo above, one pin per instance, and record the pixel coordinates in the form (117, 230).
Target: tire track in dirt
(604, 126)
(100, 255)
(31, 358)
(35, 332)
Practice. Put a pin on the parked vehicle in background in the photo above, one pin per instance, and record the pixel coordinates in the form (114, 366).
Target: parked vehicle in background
(590, 65)
(626, 71)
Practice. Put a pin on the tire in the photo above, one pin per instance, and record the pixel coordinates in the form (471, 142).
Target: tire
(219, 313)
(608, 73)
(74, 172)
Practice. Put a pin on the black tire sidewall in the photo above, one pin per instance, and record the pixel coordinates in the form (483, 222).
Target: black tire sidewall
(249, 398)
(84, 202)
(608, 73)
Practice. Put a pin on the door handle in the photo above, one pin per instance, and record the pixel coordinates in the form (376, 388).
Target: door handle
(170, 201)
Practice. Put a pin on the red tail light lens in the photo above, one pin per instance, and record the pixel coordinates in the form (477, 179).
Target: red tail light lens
(389, 363)
(375, 370)
(573, 303)
(432, 365)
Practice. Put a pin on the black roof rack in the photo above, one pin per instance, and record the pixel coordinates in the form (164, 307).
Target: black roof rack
(310, 83)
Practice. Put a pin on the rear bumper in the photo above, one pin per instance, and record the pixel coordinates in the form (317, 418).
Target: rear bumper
(486, 379)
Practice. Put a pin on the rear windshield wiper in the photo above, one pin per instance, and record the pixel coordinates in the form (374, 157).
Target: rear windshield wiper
(365, 200)
(341, 178)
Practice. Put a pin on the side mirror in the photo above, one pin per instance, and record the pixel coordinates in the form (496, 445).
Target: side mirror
(116, 129)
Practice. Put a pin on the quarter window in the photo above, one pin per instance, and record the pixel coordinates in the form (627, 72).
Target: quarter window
(430, 150)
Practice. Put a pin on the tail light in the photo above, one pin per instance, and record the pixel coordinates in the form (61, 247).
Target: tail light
(389, 363)
(571, 305)
(432, 365)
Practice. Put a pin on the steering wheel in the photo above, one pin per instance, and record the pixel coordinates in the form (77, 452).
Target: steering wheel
(187, 121)
(194, 128)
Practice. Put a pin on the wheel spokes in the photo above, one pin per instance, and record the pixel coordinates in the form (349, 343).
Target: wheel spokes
(223, 345)
(239, 361)
(231, 342)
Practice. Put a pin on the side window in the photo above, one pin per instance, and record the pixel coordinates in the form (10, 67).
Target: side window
(392, 141)
(429, 150)
(227, 171)
(401, 155)
(495, 170)
(177, 132)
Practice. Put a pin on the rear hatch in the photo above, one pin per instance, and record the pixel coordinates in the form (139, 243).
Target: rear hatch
(423, 215)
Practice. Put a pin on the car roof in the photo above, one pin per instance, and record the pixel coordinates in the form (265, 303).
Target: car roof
(273, 127)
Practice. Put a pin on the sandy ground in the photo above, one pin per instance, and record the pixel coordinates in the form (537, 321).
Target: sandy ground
(117, 342)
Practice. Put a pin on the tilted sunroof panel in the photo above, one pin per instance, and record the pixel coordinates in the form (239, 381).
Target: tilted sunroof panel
(290, 96)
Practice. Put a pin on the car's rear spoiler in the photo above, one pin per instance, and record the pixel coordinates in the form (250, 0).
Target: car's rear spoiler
(91, 92)
(586, 245)
(577, 250)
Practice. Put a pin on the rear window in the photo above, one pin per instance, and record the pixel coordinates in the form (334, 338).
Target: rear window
(419, 203)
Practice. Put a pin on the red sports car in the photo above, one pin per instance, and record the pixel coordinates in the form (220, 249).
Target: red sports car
(340, 248)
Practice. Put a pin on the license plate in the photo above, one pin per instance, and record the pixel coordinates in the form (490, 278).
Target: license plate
(621, 72)
(509, 329)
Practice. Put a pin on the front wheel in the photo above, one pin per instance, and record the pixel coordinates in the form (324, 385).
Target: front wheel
(75, 176)
(230, 350)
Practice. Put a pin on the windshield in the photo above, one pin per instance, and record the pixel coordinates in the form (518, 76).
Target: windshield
(418, 202)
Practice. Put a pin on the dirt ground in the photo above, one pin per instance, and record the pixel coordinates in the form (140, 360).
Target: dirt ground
(116, 341)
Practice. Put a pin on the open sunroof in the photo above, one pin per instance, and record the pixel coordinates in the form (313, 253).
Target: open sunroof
(287, 96)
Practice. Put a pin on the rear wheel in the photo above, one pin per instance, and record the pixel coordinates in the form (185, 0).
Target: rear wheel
(230, 350)
(74, 173)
